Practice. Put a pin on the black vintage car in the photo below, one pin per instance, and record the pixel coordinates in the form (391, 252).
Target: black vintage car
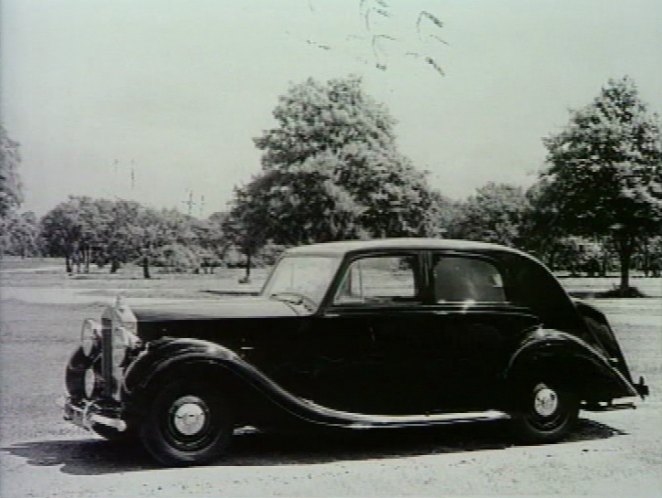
(357, 335)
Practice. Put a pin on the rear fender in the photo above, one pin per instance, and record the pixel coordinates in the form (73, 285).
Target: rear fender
(570, 361)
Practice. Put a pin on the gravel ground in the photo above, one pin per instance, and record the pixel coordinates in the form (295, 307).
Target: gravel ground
(615, 453)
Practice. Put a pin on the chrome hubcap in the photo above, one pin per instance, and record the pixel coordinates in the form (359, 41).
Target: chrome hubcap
(545, 402)
(189, 418)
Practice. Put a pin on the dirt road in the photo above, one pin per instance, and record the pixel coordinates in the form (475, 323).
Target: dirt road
(43, 456)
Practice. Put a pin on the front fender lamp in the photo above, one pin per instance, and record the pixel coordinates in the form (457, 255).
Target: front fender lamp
(90, 337)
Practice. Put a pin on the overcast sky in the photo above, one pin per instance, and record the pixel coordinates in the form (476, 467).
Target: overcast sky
(176, 90)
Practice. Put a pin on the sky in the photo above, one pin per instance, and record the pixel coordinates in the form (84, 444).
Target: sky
(158, 101)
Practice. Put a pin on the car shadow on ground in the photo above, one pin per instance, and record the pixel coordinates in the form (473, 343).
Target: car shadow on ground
(252, 448)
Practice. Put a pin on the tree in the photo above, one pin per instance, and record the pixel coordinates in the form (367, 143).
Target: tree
(331, 170)
(19, 235)
(10, 185)
(167, 227)
(122, 235)
(210, 241)
(604, 174)
(442, 215)
(61, 230)
(243, 224)
(316, 117)
(650, 256)
(495, 213)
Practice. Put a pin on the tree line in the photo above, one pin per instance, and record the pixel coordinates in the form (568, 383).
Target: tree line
(331, 170)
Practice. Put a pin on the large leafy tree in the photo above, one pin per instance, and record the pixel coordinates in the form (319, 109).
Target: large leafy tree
(604, 174)
(331, 170)
(19, 234)
(244, 226)
(495, 213)
(10, 185)
(62, 230)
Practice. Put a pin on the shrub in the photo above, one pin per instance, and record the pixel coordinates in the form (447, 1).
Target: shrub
(177, 258)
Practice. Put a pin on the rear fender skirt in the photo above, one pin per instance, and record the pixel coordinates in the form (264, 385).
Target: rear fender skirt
(172, 353)
(568, 352)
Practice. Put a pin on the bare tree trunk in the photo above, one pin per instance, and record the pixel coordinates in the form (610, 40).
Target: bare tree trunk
(551, 260)
(87, 257)
(625, 249)
(114, 265)
(606, 253)
(145, 264)
(247, 277)
(67, 263)
(248, 267)
(625, 273)
(646, 254)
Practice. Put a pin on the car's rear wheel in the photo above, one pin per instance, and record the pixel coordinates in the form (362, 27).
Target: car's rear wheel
(187, 424)
(545, 412)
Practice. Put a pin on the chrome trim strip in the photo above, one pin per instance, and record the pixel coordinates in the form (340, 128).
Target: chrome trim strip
(107, 361)
(422, 420)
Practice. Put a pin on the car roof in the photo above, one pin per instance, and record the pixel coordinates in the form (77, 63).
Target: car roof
(404, 243)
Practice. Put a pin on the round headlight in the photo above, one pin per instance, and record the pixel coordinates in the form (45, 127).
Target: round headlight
(90, 382)
(89, 336)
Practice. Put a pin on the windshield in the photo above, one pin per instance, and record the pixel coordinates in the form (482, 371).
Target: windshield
(306, 277)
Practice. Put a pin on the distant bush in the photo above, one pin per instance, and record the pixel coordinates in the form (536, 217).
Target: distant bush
(618, 292)
(176, 258)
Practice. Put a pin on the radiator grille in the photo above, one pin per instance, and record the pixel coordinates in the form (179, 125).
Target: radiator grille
(107, 356)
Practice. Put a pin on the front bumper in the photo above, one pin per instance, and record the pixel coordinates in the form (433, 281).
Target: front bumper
(87, 413)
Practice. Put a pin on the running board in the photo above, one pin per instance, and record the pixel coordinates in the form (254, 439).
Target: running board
(396, 421)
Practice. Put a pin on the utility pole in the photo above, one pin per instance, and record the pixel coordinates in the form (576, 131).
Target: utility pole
(190, 203)
(202, 204)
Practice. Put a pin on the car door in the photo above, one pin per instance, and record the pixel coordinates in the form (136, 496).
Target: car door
(375, 329)
(470, 309)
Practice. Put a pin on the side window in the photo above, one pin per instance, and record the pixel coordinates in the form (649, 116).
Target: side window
(466, 279)
(379, 279)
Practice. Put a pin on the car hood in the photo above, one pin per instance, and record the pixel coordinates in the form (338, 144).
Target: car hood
(247, 307)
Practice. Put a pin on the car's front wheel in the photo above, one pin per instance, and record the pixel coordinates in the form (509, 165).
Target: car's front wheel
(545, 412)
(187, 424)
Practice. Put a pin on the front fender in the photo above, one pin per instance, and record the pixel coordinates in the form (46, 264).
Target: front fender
(167, 353)
(571, 360)
(171, 358)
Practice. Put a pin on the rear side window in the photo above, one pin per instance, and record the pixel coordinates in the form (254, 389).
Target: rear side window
(460, 279)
